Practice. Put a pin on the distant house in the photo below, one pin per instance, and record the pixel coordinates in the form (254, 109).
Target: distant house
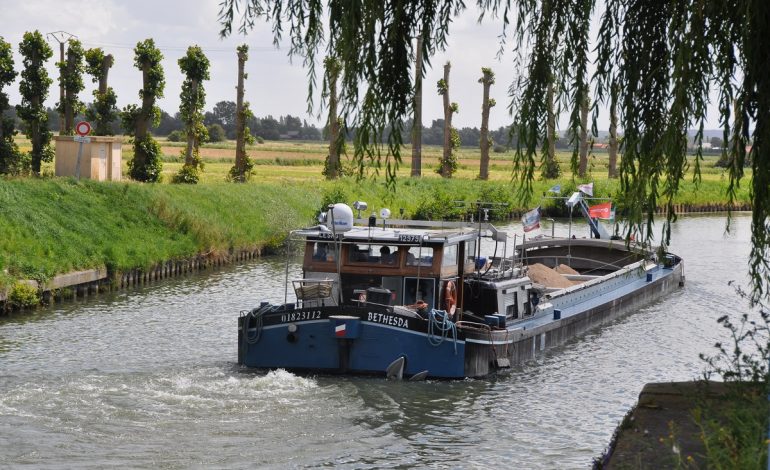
(601, 146)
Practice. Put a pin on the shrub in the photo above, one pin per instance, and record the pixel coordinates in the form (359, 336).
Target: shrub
(216, 133)
(260, 140)
(175, 136)
(23, 295)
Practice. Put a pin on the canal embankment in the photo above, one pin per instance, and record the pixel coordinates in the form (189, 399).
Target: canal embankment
(61, 238)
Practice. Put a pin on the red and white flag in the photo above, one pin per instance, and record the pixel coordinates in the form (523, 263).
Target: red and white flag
(601, 211)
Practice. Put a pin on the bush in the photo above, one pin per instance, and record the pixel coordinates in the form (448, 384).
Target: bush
(500, 149)
(260, 140)
(23, 295)
(216, 133)
(175, 136)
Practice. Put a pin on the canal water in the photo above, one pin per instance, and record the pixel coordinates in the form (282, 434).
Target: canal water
(146, 378)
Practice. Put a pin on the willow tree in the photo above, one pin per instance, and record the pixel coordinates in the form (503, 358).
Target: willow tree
(612, 147)
(146, 164)
(666, 58)
(10, 157)
(487, 80)
(241, 170)
(195, 66)
(333, 166)
(104, 109)
(71, 79)
(549, 166)
(34, 90)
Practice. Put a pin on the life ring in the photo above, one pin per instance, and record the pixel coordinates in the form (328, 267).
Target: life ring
(449, 298)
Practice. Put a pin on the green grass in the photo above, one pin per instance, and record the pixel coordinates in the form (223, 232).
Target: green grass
(52, 226)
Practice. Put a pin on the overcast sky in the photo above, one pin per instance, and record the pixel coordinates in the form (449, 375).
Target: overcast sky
(275, 86)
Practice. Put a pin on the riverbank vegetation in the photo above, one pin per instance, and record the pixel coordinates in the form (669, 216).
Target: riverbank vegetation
(55, 225)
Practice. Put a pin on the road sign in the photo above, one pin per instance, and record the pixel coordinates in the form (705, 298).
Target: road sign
(80, 138)
(83, 128)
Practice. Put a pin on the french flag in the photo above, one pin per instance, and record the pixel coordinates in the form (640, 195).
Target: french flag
(339, 330)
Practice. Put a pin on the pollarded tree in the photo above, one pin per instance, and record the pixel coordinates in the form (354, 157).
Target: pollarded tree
(583, 143)
(34, 90)
(417, 113)
(333, 167)
(146, 164)
(448, 163)
(241, 171)
(487, 80)
(71, 79)
(10, 157)
(195, 66)
(104, 109)
(665, 57)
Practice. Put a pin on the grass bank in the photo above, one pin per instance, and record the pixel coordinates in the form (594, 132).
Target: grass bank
(53, 226)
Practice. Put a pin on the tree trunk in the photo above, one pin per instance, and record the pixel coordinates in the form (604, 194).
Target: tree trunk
(240, 121)
(34, 132)
(61, 91)
(417, 111)
(192, 144)
(69, 118)
(484, 144)
(446, 171)
(332, 169)
(143, 120)
(583, 165)
(107, 63)
(550, 170)
(613, 144)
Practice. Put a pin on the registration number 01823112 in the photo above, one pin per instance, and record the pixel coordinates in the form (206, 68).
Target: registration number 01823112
(301, 315)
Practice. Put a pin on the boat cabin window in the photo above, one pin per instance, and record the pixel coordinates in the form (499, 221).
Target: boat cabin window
(419, 256)
(377, 254)
(470, 251)
(425, 292)
(450, 256)
(323, 251)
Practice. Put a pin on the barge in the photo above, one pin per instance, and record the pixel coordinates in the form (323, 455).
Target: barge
(416, 299)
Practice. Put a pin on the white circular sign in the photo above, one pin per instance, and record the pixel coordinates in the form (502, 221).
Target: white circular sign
(83, 128)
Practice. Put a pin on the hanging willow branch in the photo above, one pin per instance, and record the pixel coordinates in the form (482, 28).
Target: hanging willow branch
(662, 58)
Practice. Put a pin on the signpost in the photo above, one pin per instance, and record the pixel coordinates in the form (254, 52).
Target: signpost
(83, 128)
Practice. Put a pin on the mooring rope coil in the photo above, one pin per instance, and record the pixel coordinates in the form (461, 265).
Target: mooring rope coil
(439, 326)
(256, 314)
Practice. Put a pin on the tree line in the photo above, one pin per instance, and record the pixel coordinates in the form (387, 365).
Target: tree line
(227, 119)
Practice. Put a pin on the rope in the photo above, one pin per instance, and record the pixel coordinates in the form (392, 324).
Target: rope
(439, 326)
(256, 314)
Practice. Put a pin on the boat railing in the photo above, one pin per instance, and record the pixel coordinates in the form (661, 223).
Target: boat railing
(314, 292)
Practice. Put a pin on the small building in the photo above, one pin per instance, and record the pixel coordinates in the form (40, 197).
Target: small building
(100, 160)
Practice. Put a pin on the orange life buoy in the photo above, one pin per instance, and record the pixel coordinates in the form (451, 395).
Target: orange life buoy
(449, 298)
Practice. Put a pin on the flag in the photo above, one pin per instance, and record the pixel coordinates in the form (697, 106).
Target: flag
(556, 189)
(339, 330)
(587, 188)
(601, 211)
(531, 220)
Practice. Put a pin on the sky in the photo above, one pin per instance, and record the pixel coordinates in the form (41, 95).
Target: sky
(275, 86)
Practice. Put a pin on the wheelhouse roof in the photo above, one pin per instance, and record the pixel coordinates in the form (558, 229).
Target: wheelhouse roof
(409, 232)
